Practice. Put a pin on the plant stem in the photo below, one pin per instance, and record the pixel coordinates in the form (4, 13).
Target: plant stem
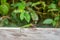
(28, 25)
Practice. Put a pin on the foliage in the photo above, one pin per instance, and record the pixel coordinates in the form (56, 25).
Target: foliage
(48, 21)
(23, 12)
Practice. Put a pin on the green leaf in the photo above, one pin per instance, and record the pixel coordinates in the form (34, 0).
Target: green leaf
(52, 6)
(57, 18)
(5, 21)
(16, 11)
(54, 23)
(3, 1)
(22, 5)
(16, 5)
(47, 21)
(22, 16)
(27, 16)
(4, 9)
(34, 16)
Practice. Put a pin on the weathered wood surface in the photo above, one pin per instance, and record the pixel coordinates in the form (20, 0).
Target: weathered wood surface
(30, 34)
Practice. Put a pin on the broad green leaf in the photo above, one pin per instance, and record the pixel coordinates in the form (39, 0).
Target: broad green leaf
(7, 4)
(3, 1)
(16, 5)
(54, 23)
(27, 16)
(52, 6)
(34, 16)
(47, 21)
(4, 9)
(57, 18)
(14, 17)
(5, 21)
(16, 11)
(22, 16)
(22, 5)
